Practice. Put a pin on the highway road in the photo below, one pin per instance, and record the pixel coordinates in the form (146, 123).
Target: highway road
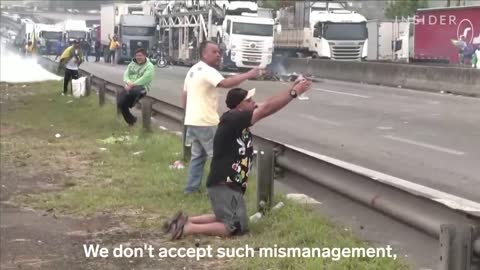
(427, 138)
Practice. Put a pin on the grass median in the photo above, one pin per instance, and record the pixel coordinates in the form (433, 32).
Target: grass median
(103, 166)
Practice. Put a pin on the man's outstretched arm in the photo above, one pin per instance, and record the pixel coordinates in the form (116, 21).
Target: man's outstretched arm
(239, 78)
(278, 101)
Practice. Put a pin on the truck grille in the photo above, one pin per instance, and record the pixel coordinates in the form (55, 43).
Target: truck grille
(135, 44)
(252, 52)
(346, 52)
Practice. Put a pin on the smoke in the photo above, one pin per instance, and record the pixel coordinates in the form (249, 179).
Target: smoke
(278, 65)
(17, 69)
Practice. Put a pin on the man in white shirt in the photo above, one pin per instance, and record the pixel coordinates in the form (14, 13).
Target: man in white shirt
(200, 102)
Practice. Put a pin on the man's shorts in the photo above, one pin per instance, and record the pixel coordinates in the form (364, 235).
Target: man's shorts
(229, 208)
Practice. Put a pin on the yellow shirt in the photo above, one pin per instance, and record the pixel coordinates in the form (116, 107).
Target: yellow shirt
(202, 97)
(114, 45)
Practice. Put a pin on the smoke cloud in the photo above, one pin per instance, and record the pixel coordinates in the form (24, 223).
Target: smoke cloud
(17, 69)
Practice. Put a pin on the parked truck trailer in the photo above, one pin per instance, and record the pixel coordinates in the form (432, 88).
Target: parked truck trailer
(321, 30)
(436, 28)
(244, 34)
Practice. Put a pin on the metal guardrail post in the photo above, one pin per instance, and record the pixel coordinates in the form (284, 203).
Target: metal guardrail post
(147, 113)
(101, 93)
(265, 175)
(456, 250)
(118, 91)
(88, 85)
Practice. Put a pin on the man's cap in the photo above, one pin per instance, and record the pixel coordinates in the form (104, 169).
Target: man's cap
(236, 95)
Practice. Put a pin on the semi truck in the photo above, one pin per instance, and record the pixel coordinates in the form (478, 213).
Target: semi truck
(244, 34)
(73, 30)
(321, 30)
(433, 32)
(48, 36)
(131, 25)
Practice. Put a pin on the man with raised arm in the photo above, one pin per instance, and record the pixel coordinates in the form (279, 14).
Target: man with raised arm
(231, 164)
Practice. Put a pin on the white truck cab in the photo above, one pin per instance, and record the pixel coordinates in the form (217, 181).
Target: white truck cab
(248, 40)
(338, 35)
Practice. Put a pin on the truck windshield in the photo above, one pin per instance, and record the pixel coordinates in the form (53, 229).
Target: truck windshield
(252, 29)
(52, 35)
(138, 31)
(77, 34)
(345, 31)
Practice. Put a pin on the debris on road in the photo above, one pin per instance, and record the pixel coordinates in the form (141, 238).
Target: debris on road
(177, 165)
(121, 139)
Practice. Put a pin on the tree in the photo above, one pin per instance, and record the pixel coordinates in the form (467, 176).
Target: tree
(403, 8)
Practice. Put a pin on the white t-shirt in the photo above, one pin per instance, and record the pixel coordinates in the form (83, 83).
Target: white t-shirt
(202, 97)
(72, 64)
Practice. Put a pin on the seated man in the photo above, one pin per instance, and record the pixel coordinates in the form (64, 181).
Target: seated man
(231, 163)
(138, 78)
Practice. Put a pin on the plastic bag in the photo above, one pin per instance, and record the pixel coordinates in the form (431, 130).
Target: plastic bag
(79, 87)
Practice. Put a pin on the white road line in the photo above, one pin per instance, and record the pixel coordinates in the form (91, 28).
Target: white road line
(313, 118)
(340, 93)
(426, 145)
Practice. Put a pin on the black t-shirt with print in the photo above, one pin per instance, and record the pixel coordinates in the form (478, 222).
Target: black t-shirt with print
(232, 151)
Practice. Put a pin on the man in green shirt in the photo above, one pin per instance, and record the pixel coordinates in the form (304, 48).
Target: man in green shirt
(138, 79)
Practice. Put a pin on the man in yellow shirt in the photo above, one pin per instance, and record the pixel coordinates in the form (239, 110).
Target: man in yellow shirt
(200, 100)
(114, 45)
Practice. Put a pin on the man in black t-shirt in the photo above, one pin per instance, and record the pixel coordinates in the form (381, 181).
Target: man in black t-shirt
(231, 164)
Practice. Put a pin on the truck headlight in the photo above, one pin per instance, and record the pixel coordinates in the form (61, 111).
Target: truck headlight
(124, 45)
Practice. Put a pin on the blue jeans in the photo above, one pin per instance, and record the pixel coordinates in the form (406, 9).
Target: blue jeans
(201, 139)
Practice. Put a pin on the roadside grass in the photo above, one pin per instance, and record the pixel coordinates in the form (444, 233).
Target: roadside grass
(131, 179)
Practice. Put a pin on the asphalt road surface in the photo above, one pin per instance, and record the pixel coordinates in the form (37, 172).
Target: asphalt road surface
(427, 138)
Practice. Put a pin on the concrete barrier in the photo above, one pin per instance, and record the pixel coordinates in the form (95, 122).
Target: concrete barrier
(430, 78)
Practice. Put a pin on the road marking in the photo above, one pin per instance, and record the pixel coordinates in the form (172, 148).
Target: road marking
(426, 145)
(385, 128)
(313, 118)
(340, 93)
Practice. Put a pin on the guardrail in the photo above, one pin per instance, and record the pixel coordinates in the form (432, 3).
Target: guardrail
(454, 221)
